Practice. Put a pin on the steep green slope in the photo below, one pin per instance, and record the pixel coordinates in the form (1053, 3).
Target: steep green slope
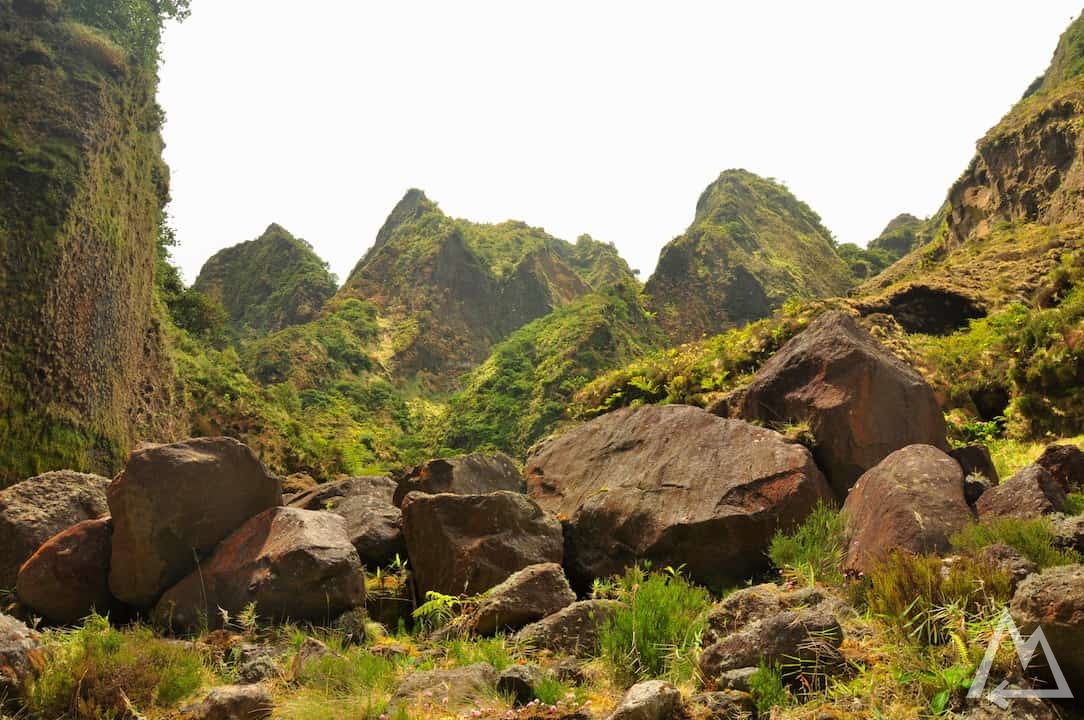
(751, 247)
(902, 235)
(268, 283)
(83, 372)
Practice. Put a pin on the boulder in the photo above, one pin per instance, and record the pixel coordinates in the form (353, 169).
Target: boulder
(173, 504)
(725, 705)
(474, 474)
(1054, 601)
(1066, 464)
(520, 682)
(373, 521)
(295, 564)
(1069, 532)
(675, 485)
(650, 700)
(574, 630)
(526, 596)
(913, 500)
(975, 460)
(34, 510)
(1010, 560)
(466, 544)
(233, 702)
(68, 577)
(445, 687)
(22, 657)
(1030, 493)
(749, 605)
(861, 402)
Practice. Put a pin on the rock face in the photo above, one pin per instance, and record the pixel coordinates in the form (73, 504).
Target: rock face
(474, 474)
(1066, 464)
(173, 504)
(22, 657)
(651, 700)
(373, 522)
(573, 630)
(35, 510)
(469, 543)
(526, 596)
(913, 501)
(675, 485)
(1030, 493)
(295, 564)
(860, 401)
(68, 577)
(1054, 600)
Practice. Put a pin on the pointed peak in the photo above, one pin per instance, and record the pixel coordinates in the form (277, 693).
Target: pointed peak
(413, 205)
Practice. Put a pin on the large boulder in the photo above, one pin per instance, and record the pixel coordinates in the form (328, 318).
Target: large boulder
(1054, 601)
(22, 657)
(526, 596)
(232, 702)
(649, 700)
(35, 510)
(860, 401)
(1066, 464)
(449, 688)
(1030, 493)
(466, 544)
(373, 520)
(294, 564)
(913, 500)
(675, 485)
(573, 630)
(473, 474)
(68, 577)
(173, 504)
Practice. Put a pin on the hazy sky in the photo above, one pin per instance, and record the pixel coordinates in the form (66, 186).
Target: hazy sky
(607, 118)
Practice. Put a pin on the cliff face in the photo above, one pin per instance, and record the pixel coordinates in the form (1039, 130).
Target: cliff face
(751, 247)
(268, 283)
(82, 184)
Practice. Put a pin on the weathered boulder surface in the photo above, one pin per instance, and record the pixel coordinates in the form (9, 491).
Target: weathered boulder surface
(68, 577)
(34, 510)
(650, 700)
(525, 597)
(675, 485)
(233, 702)
(1066, 464)
(173, 503)
(1030, 493)
(913, 500)
(373, 521)
(468, 543)
(573, 630)
(473, 474)
(22, 657)
(458, 686)
(1054, 601)
(295, 564)
(861, 402)
(1009, 559)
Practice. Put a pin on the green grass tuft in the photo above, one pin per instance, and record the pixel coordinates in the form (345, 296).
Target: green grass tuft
(1033, 538)
(815, 549)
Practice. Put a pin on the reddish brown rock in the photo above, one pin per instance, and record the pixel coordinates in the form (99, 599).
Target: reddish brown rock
(675, 485)
(913, 501)
(1054, 601)
(173, 504)
(68, 577)
(35, 510)
(294, 564)
(373, 520)
(525, 597)
(861, 402)
(473, 474)
(1065, 463)
(22, 657)
(1030, 493)
(573, 630)
(466, 544)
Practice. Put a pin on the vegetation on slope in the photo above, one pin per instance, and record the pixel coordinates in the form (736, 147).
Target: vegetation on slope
(902, 235)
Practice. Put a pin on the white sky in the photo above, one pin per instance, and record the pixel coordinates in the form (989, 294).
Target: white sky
(602, 117)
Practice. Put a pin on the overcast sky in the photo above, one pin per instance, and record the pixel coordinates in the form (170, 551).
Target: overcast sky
(606, 118)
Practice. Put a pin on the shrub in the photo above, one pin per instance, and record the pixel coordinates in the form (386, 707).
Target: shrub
(96, 670)
(657, 632)
(767, 688)
(1033, 538)
(815, 549)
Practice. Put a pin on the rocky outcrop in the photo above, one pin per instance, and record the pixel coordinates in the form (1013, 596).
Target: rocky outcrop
(1030, 493)
(173, 504)
(22, 657)
(293, 564)
(525, 597)
(573, 630)
(860, 401)
(674, 485)
(35, 510)
(1054, 601)
(373, 521)
(466, 544)
(912, 501)
(68, 577)
(474, 474)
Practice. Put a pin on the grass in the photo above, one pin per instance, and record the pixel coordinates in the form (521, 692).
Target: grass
(1034, 539)
(814, 551)
(768, 690)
